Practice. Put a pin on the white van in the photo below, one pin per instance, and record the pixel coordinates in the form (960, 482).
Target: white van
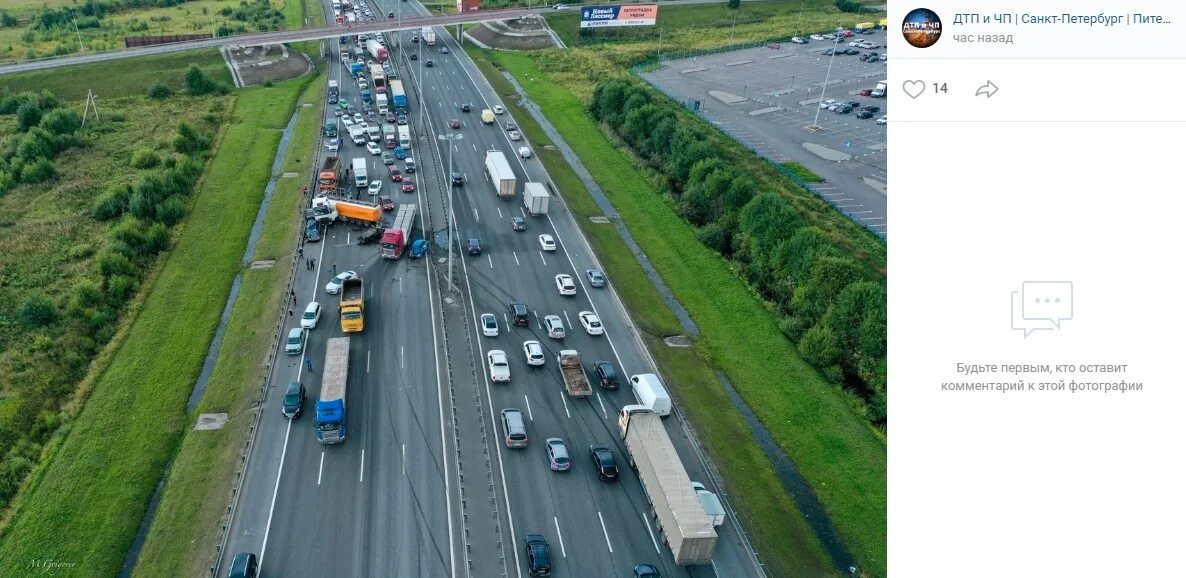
(650, 393)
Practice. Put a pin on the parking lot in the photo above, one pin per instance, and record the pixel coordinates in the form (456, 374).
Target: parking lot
(768, 99)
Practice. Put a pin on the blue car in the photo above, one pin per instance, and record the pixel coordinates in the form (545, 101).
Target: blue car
(312, 231)
(419, 248)
(400, 153)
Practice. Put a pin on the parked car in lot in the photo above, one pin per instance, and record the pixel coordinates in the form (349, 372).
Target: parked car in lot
(864, 114)
(558, 459)
(816, 37)
(872, 108)
(827, 103)
(798, 40)
(882, 120)
(866, 92)
(844, 109)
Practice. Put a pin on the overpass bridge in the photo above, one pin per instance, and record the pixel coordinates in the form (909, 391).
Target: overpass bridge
(274, 37)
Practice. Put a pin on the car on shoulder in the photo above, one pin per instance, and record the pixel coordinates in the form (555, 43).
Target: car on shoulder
(539, 562)
(489, 325)
(312, 231)
(547, 242)
(524, 152)
(335, 285)
(386, 203)
(244, 565)
(558, 459)
(606, 376)
(296, 341)
(596, 277)
(565, 285)
(500, 368)
(591, 322)
(518, 224)
(534, 352)
(311, 315)
(603, 461)
(510, 125)
(293, 401)
(554, 326)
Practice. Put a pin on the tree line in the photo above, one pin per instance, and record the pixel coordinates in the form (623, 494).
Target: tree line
(829, 303)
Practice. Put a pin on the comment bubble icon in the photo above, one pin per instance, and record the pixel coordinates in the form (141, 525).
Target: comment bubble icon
(1047, 300)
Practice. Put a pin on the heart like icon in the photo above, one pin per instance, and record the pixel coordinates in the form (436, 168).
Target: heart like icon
(914, 88)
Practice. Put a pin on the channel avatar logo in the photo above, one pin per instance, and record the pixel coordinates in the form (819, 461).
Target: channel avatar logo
(922, 28)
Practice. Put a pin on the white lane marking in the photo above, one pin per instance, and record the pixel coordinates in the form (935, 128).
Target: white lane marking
(506, 321)
(491, 259)
(403, 459)
(362, 464)
(499, 211)
(606, 532)
(516, 255)
(565, 402)
(558, 535)
(567, 320)
(523, 211)
(368, 361)
(320, 468)
(401, 285)
(601, 402)
(268, 527)
(541, 258)
(401, 357)
(648, 527)
(476, 218)
(347, 238)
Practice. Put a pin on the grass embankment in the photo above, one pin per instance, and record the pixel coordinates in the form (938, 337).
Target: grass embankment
(120, 78)
(776, 526)
(699, 26)
(840, 456)
(85, 507)
(803, 172)
(186, 530)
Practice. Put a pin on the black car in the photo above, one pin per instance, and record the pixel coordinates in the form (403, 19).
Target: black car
(333, 99)
(413, 56)
(312, 231)
(872, 108)
(538, 561)
(457, 178)
(243, 566)
(603, 460)
(465, 107)
(606, 376)
(844, 109)
(852, 51)
(391, 14)
(864, 114)
(294, 400)
(401, 119)
(864, 57)
(428, 63)
(827, 52)
(444, 50)
(873, 57)
(518, 313)
(473, 247)
(853, 104)
(518, 224)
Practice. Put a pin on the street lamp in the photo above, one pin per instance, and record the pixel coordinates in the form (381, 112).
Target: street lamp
(449, 183)
(827, 76)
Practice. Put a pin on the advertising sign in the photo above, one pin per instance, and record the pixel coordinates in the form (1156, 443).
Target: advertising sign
(623, 15)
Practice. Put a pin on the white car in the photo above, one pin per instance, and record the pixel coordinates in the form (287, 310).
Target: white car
(524, 152)
(376, 186)
(362, 83)
(335, 285)
(591, 322)
(798, 40)
(498, 109)
(347, 122)
(373, 148)
(534, 352)
(333, 145)
(555, 326)
(565, 285)
(547, 243)
(311, 315)
(359, 120)
(362, 126)
(489, 325)
(500, 369)
(825, 104)
(881, 120)
(816, 37)
(856, 43)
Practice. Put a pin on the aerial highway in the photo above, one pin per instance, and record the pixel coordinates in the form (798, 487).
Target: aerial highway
(423, 484)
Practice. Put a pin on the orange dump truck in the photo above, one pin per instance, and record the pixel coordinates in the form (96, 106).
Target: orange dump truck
(331, 173)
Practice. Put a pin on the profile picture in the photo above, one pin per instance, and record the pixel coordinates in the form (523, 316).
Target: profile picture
(922, 28)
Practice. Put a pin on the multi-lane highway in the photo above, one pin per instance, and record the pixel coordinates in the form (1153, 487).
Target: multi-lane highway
(424, 485)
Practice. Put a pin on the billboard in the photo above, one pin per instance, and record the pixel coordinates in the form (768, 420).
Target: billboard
(627, 15)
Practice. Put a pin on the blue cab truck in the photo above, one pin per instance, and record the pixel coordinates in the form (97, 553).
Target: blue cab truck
(331, 403)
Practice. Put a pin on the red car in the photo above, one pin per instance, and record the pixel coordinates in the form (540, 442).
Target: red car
(454, 123)
(408, 187)
(867, 92)
(395, 176)
(386, 203)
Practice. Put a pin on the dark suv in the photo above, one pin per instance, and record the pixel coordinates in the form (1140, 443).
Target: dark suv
(473, 247)
(294, 400)
(518, 313)
(603, 460)
(606, 376)
(538, 561)
(243, 566)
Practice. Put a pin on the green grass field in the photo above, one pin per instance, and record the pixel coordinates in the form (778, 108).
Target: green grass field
(182, 540)
(803, 172)
(86, 505)
(839, 455)
(120, 78)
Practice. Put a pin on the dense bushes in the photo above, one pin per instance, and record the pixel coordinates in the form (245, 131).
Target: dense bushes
(159, 91)
(198, 84)
(830, 304)
(66, 327)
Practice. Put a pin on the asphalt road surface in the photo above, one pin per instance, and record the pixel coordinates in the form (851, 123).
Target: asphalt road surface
(423, 485)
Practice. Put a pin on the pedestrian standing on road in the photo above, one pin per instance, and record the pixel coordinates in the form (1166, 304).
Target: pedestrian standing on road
(301, 252)
(293, 293)
(309, 363)
(313, 263)
(290, 312)
(335, 268)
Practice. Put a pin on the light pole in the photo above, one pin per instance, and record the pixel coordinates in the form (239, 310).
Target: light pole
(824, 88)
(449, 138)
